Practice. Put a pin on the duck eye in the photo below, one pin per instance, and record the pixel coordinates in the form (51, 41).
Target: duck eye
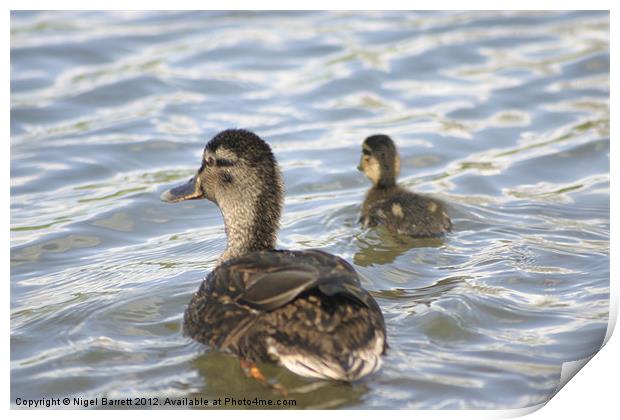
(210, 161)
(224, 162)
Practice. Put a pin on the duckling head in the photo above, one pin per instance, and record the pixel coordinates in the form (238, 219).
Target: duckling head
(240, 174)
(380, 161)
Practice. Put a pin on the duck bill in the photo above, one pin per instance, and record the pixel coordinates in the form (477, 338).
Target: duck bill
(189, 191)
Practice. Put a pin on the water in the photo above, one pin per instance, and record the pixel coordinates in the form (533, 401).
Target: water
(504, 116)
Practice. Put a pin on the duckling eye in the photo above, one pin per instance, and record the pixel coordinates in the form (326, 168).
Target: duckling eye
(365, 151)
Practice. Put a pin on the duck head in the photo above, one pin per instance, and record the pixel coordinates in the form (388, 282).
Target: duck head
(380, 161)
(240, 174)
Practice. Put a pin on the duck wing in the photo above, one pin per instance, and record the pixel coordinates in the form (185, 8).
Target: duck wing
(272, 279)
(274, 289)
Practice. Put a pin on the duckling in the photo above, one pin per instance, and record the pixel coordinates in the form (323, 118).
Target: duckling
(399, 210)
(305, 310)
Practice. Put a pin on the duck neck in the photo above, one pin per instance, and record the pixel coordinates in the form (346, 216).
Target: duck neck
(251, 224)
(389, 173)
(386, 179)
(386, 182)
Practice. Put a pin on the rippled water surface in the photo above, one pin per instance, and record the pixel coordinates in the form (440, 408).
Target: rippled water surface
(504, 116)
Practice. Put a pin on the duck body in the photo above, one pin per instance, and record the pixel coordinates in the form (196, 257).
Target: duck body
(305, 310)
(399, 210)
(404, 212)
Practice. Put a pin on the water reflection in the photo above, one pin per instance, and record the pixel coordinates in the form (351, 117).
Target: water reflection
(378, 246)
(422, 295)
(222, 377)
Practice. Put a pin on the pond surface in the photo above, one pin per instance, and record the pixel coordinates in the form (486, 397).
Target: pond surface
(503, 116)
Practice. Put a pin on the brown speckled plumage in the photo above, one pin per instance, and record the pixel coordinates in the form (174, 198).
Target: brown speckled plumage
(321, 310)
(387, 204)
(305, 310)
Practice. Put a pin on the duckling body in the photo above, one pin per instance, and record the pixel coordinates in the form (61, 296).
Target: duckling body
(399, 210)
(305, 310)
(404, 212)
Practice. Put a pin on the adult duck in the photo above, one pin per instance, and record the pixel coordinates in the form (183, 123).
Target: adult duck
(305, 310)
